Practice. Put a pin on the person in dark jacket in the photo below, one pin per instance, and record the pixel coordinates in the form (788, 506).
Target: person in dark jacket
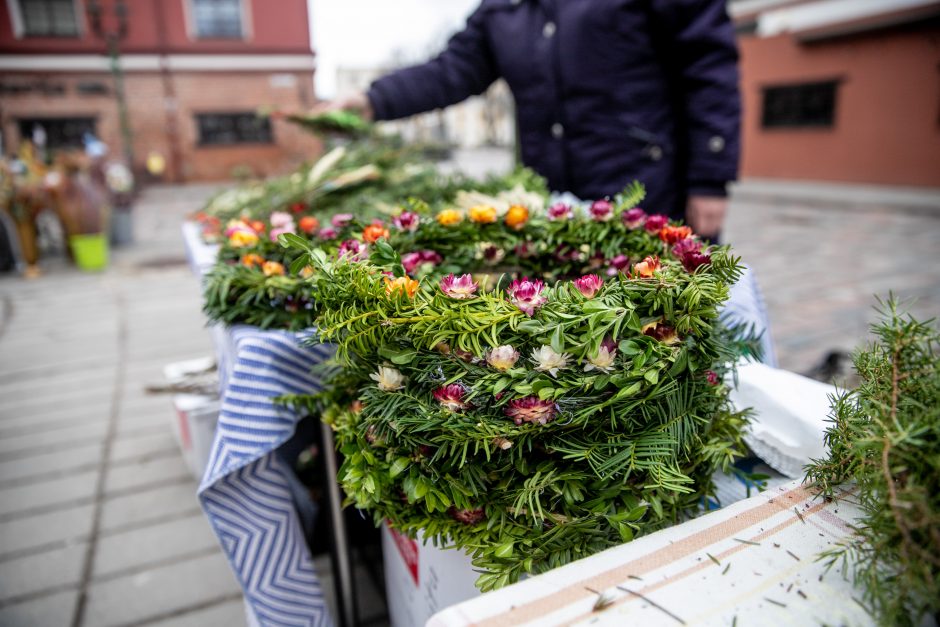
(606, 91)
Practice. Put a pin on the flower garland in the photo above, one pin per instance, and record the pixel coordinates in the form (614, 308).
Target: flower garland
(530, 386)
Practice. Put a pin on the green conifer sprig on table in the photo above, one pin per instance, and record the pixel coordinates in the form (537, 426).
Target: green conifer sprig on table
(885, 436)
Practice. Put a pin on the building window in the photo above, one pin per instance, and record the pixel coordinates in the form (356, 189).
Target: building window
(808, 105)
(224, 129)
(59, 132)
(49, 18)
(218, 18)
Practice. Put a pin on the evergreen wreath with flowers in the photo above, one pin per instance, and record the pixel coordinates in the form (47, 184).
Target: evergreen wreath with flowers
(529, 386)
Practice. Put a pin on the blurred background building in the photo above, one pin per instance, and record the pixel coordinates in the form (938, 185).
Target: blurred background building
(195, 72)
(841, 90)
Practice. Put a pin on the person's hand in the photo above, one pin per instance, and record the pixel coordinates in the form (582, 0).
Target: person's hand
(706, 214)
(356, 103)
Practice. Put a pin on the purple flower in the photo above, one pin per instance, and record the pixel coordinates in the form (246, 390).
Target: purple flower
(527, 295)
(406, 221)
(459, 288)
(689, 252)
(530, 409)
(620, 263)
(633, 218)
(451, 397)
(328, 232)
(353, 248)
(589, 285)
(655, 223)
(602, 210)
(341, 219)
(560, 211)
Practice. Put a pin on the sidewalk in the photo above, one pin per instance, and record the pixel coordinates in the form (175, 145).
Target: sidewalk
(99, 522)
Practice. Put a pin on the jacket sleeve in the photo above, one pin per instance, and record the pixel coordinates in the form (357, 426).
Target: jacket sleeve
(465, 68)
(703, 60)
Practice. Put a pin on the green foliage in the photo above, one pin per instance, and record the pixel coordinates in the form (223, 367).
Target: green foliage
(629, 449)
(885, 436)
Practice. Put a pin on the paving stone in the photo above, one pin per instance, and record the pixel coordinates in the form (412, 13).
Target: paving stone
(15, 446)
(78, 458)
(148, 505)
(62, 526)
(80, 486)
(42, 571)
(226, 614)
(151, 471)
(146, 546)
(159, 591)
(50, 610)
(143, 447)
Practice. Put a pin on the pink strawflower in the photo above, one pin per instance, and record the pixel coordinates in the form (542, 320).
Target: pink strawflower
(527, 295)
(407, 221)
(712, 377)
(620, 263)
(341, 219)
(353, 248)
(655, 223)
(282, 219)
(524, 250)
(459, 288)
(633, 218)
(412, 261)
(686, 246)
(467, 516)
(560, 211)
(589, 285)
(451, 397)
(530, 409)
(328, 232)
(277, 232)
(689, 252)
(602, 210)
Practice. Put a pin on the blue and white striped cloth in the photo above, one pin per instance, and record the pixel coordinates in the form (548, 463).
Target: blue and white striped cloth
(246, 492)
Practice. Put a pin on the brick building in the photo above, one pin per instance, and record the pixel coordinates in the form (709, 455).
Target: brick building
(838, 90)
(195, 72)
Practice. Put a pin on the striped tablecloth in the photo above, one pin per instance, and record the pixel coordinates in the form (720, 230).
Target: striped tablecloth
(751, 563)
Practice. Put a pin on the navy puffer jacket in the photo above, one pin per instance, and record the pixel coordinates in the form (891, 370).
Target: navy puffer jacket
(607, 91)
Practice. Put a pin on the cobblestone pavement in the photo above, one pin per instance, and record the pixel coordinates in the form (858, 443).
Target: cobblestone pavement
(99, 523)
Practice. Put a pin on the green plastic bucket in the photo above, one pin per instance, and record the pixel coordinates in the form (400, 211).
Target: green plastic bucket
(90, 251)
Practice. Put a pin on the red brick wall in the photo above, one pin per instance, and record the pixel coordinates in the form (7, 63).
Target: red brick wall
(195, 93)
(887, 126)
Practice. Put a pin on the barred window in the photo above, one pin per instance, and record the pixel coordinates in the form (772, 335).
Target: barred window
(218, 18)
(59, 132)
(809, 105)
(49, 18)
(223, 129)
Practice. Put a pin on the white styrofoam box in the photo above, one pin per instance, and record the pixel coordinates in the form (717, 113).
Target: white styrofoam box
(422, 579)
(196, 416)
(790, 415)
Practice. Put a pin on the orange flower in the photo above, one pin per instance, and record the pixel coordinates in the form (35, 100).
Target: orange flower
(482, 214)
(308, 224)
(517, 216)
(449, 217)
(243, 239)
(402, 284)
(306, 272)
(374, 232)
(674, 234)
(252, 260)
(272, 268)
(646, 268)
(257, 226)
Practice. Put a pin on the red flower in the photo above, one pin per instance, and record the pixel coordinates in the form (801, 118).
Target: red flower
(374, 232)
(530, 409)
(451, 397)
(689, 252)
(655, 223)
(466, 516)
(601, 210)
(673, 234)
(661, 332)
(308, 224)
(298, 207)
(712, 377)
(633, 218)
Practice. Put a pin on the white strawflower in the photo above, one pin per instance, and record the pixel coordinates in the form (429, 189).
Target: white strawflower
(549, 361)
(388, 379)
(603, 360)
(502, 357)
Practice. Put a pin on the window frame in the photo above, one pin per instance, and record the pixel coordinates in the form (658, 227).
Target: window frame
(201, 141)
(798, 123)
(20, 31)
(192, 23)
(21, 121)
